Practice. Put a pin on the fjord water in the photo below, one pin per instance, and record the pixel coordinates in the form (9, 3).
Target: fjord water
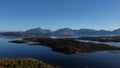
(101, 59)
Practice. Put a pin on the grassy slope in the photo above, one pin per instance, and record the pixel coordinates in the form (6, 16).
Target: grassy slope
(23, 63)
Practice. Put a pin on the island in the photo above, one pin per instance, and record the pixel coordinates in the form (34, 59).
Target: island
(67, 45)
(102, 39)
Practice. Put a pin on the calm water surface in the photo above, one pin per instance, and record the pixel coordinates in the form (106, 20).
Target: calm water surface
(103, 59)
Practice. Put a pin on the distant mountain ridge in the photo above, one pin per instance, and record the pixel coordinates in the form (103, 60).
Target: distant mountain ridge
(39, 31)
(62, 32)
(18, 34)
(71, 32)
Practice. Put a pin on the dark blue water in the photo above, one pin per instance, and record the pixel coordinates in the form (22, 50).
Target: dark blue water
(103, 59)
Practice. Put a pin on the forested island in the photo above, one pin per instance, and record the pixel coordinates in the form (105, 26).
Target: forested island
(102, 39)
(67, 45)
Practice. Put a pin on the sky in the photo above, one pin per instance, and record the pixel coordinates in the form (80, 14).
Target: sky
(19, 15)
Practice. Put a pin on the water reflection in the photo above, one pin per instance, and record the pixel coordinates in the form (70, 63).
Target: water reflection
(114, 52)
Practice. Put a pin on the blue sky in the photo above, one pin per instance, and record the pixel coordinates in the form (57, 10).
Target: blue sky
(54, 14)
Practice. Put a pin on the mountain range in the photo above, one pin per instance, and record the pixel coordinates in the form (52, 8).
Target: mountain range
(62, 32)
(73, 32)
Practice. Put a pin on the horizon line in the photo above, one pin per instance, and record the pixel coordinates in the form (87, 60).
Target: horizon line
(57, 29)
